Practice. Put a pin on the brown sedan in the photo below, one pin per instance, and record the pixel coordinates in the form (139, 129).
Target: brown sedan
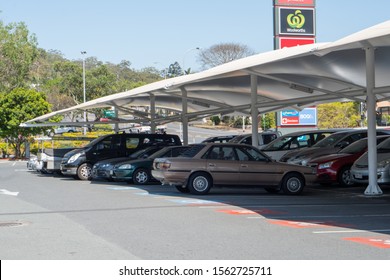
(225, 164)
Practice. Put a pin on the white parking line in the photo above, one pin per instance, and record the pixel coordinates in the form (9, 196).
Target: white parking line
(7, 192)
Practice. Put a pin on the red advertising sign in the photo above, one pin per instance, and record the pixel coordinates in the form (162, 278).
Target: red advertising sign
(295, 2)
(286, 42)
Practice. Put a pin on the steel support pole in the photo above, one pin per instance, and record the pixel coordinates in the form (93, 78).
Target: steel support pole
(373, 187)
(254, 112)
(84, 94)
(184, 118)
(152, 113)
(116, 125)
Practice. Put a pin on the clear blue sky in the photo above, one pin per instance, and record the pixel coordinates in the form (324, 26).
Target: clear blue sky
(160, 32)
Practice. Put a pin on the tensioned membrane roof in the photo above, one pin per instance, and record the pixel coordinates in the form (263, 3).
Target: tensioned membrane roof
(294, 77)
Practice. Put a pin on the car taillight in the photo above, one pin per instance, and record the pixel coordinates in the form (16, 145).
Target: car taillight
(164, 165)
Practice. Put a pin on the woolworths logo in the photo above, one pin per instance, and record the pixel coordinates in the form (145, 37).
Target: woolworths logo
(296, 20)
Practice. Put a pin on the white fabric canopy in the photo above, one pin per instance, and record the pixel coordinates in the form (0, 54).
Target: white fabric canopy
(354, 68)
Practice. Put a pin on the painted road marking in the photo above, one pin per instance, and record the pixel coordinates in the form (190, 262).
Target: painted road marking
(194, 201)
(307, 224)
(7, 192)
(350, 231)
(120, 188)
(375, 242)
(250, 212)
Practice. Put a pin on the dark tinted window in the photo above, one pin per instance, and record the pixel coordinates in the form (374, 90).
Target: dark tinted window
(221, 153)
(267, 138)
(109, 143)
(193, 151)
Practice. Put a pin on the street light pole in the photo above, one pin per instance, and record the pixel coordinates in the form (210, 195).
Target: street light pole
(184, 56)
(84, 95)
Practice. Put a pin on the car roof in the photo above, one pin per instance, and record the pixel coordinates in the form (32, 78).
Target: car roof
(335, 130)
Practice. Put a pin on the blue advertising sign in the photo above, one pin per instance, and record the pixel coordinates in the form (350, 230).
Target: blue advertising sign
(307, 116)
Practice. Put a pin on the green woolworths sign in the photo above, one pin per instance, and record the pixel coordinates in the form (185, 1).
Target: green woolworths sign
(296, 21)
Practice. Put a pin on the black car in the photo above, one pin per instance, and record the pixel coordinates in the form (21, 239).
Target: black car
(138, 171)
(219, 139)
(102, 170)
(78, 163)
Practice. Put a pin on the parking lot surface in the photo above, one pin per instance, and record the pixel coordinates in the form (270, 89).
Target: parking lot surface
(56, 217)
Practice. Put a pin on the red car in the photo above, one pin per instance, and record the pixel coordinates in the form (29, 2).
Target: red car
(335, 168)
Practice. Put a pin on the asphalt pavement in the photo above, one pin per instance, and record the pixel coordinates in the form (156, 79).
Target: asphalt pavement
(51, 217)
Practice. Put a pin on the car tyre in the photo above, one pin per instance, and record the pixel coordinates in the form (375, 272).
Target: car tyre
(84, 172)
(182, 189)
(293, 184)
(199, 183)
(141, 176)
(344, 177)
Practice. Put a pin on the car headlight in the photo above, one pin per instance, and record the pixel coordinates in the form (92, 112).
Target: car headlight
(125, 166)
(325, 165)
(383, 163)
(74, 157)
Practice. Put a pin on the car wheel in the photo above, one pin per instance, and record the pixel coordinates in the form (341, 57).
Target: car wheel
(344, 177)
(84, 172)
(182, 189)
(141, 177)
(293, 184)
(199, 183)
(272, 190)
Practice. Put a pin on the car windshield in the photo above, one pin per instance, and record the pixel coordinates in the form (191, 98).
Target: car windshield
(384, 147)
(191, 152)
(237, 139)
(169, 152)
(330, 140)
(354, 148)
(278, 144)
(139, 153)
(93, 142)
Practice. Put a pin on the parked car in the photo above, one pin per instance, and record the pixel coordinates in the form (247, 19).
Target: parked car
(219, 139)
(78, 163)
(336, 168)
(209, 165)
(264, 138)
(295, 141)
(102, 170)
(61, 129)
(49, 160)
(330, 145)
(32, 162)
(359, 170)
(138, 171)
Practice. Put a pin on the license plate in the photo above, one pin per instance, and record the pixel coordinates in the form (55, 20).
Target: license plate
(358, 176)
(111, 172)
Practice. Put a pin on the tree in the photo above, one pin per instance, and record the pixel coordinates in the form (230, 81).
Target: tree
(18, 50)
(18, 106)
(222, 53)
(174, 70)
(338, 115)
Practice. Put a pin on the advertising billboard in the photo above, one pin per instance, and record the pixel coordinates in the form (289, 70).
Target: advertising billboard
(286, 42)
(296, 21)
(306, 117)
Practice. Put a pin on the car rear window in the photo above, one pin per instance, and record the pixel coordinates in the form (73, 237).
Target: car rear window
(191, 152)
